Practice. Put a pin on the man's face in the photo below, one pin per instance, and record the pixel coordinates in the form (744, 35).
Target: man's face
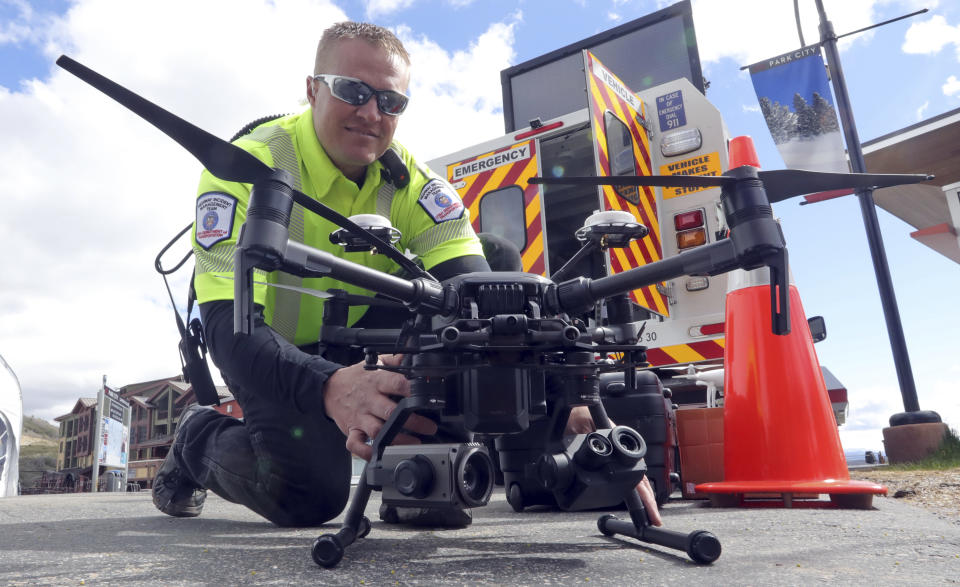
(355, 136)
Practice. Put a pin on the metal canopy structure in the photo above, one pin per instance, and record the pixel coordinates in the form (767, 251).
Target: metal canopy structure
(931, 146)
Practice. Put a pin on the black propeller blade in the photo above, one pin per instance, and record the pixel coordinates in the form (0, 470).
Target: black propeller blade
(780, 184)
(222, 159)
(667, 181)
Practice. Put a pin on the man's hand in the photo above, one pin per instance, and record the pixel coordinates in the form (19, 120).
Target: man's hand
(580, 422)
(360, 401)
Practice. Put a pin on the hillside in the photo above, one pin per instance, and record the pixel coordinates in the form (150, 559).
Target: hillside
(38, 449)
(37, 430)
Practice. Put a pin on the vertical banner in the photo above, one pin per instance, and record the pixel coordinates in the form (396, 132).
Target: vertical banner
(112, 434)
(115, 435)
(795, 99)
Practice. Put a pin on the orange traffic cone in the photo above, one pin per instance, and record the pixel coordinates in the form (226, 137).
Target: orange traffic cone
(779, 431)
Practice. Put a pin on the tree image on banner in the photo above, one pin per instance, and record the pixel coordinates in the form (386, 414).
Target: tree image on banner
(804, 122)
(794, 96)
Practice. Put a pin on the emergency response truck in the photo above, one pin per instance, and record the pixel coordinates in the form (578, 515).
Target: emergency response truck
(670, 129)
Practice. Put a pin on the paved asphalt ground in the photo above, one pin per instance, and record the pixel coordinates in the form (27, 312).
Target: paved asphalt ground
(120, 539)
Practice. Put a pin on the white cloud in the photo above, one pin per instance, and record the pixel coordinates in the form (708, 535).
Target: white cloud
(931, 36)
(378, 8)
(872, 406)
(13, 32)
(17, 30)
(952, 86)
(459, 90)
(30, 27)
(921, 111)
(748, 31)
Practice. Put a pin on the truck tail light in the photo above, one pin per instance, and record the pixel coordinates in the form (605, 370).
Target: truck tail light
(688, 220)
(690, 227)
(691, 238)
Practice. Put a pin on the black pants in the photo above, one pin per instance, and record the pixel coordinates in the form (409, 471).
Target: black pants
(290, 467)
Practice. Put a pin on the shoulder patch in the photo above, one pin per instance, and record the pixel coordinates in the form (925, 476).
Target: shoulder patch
(215, 212)
(440, 201)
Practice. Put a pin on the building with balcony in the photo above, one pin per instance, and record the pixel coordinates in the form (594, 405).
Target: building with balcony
(77, 428)
(155, 410)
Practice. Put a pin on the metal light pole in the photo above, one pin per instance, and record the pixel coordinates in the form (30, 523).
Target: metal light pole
(901, 359)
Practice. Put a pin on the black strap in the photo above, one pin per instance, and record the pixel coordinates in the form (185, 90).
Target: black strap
(193, 348)
(158, 265)
(254, 124)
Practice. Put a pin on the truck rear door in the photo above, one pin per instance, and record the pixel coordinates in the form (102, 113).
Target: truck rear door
(621, 147)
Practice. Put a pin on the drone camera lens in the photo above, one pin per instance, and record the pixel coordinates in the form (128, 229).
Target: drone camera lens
(594, 452)
(599, 445)
(475, 476)
(628, 445)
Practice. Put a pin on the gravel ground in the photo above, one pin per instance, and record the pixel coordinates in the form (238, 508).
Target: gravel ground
(938, 491)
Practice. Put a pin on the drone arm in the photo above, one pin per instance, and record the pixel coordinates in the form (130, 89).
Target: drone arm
(578, 295)
(243, 314)
(304, 261)
(420, 293)
(779, 292)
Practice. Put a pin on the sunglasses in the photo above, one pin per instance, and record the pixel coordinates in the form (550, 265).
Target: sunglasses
(357, 93)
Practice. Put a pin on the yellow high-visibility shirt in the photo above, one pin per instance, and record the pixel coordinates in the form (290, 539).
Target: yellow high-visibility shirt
(428, 212)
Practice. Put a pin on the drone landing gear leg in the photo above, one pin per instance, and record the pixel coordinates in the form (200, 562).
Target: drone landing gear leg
(700, 545)
(328, 548)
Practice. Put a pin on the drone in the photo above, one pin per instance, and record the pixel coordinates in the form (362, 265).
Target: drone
(506, 355)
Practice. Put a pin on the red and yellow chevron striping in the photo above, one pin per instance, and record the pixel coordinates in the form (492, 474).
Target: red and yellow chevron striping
(495, 176)
(604, 99)
(686, 353)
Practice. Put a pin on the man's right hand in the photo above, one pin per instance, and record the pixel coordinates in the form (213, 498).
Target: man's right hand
(360, 402)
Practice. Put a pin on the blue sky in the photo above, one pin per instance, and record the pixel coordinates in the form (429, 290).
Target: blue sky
(92, 193)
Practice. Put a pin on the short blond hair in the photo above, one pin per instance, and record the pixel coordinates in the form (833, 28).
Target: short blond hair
(371, 33)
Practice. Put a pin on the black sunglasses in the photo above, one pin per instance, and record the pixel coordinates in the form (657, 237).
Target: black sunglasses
(357, 93)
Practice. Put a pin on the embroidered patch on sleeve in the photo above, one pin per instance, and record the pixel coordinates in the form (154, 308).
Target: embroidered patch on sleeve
(214, 218)
(440, 201)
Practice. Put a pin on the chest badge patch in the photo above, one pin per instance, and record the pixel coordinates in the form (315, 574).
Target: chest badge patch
(214, 218)
(440, 201)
